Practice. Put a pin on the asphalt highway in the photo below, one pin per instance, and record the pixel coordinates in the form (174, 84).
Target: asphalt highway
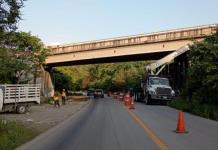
(105, 124)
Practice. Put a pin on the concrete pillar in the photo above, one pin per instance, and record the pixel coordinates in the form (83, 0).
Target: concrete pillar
(47, 87)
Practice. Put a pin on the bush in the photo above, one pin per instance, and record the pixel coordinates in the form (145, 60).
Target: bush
(203, 110)
(47, 100)
(180, 104)
(203, 70)
(77, 94)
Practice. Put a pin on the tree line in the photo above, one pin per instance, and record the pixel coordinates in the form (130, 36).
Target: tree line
(202, 83)
(112, 76)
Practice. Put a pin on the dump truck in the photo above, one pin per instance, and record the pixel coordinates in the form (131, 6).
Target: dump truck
(18, 97)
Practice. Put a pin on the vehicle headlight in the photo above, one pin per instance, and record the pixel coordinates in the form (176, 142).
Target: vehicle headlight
(173, 93)
(152, 92)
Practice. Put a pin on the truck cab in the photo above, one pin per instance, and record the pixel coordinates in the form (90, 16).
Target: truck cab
(157, 88)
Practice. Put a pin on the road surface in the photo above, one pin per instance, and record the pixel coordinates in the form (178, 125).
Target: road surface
(105, 124)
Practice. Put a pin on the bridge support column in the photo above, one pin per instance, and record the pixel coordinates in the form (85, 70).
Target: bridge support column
(180, 71)
(46, 82)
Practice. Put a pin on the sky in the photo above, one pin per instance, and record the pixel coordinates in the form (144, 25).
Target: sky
(71, 21)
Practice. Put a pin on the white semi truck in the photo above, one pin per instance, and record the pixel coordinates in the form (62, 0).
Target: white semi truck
(154, 87)
(18, 97)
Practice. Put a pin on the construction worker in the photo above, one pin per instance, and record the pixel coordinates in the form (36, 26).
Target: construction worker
(64, 97)
(56, 100)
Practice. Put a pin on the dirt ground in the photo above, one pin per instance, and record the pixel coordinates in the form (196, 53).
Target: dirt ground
(45, 116)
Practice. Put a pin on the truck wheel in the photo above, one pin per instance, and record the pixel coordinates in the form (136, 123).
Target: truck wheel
(147, 99)
(21, 109)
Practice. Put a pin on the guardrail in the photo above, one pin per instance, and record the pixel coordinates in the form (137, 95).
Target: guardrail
(170, 35)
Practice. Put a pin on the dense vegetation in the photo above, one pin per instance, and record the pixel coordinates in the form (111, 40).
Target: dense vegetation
(201, 93)
(203, 70)
(113, 76)
(203, 110)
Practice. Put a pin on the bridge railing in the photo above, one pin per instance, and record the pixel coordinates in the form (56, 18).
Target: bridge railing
(180, 34)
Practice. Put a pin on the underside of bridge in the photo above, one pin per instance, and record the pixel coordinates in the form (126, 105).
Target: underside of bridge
(175, 71)
(153, 46)
(125, 58)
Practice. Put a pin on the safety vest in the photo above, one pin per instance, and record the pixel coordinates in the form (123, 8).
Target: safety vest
(55, 98)
(63, 94)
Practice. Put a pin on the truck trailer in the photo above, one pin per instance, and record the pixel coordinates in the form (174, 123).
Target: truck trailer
(18, 97)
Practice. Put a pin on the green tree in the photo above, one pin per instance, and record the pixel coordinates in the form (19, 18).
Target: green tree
(113, 76)
(62, 81)
(203, 70)
(9, 14)
(21, 55)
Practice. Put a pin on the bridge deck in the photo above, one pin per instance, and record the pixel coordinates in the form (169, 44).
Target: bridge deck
(170, 35)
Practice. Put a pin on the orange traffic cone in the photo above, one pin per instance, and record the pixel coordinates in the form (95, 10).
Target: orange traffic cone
(126, 99)
(181, 124)
(132, 105)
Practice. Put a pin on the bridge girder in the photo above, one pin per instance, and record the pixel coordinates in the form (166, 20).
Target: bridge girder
(111, 50)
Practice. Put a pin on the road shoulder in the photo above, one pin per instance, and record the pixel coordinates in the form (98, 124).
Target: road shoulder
(43, 117)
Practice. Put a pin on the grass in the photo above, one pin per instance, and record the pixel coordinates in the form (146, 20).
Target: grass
(203, 110)
(45, 100)
(13, 134)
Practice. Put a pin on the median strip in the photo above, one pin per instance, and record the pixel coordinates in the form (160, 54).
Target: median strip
(148, 131)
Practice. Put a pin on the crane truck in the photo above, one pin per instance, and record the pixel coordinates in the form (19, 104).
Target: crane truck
(155, 87)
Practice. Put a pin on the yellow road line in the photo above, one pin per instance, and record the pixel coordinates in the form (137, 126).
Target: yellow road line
(148, 131)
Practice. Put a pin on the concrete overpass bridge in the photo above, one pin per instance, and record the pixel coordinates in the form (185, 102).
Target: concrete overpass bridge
(151, 46)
